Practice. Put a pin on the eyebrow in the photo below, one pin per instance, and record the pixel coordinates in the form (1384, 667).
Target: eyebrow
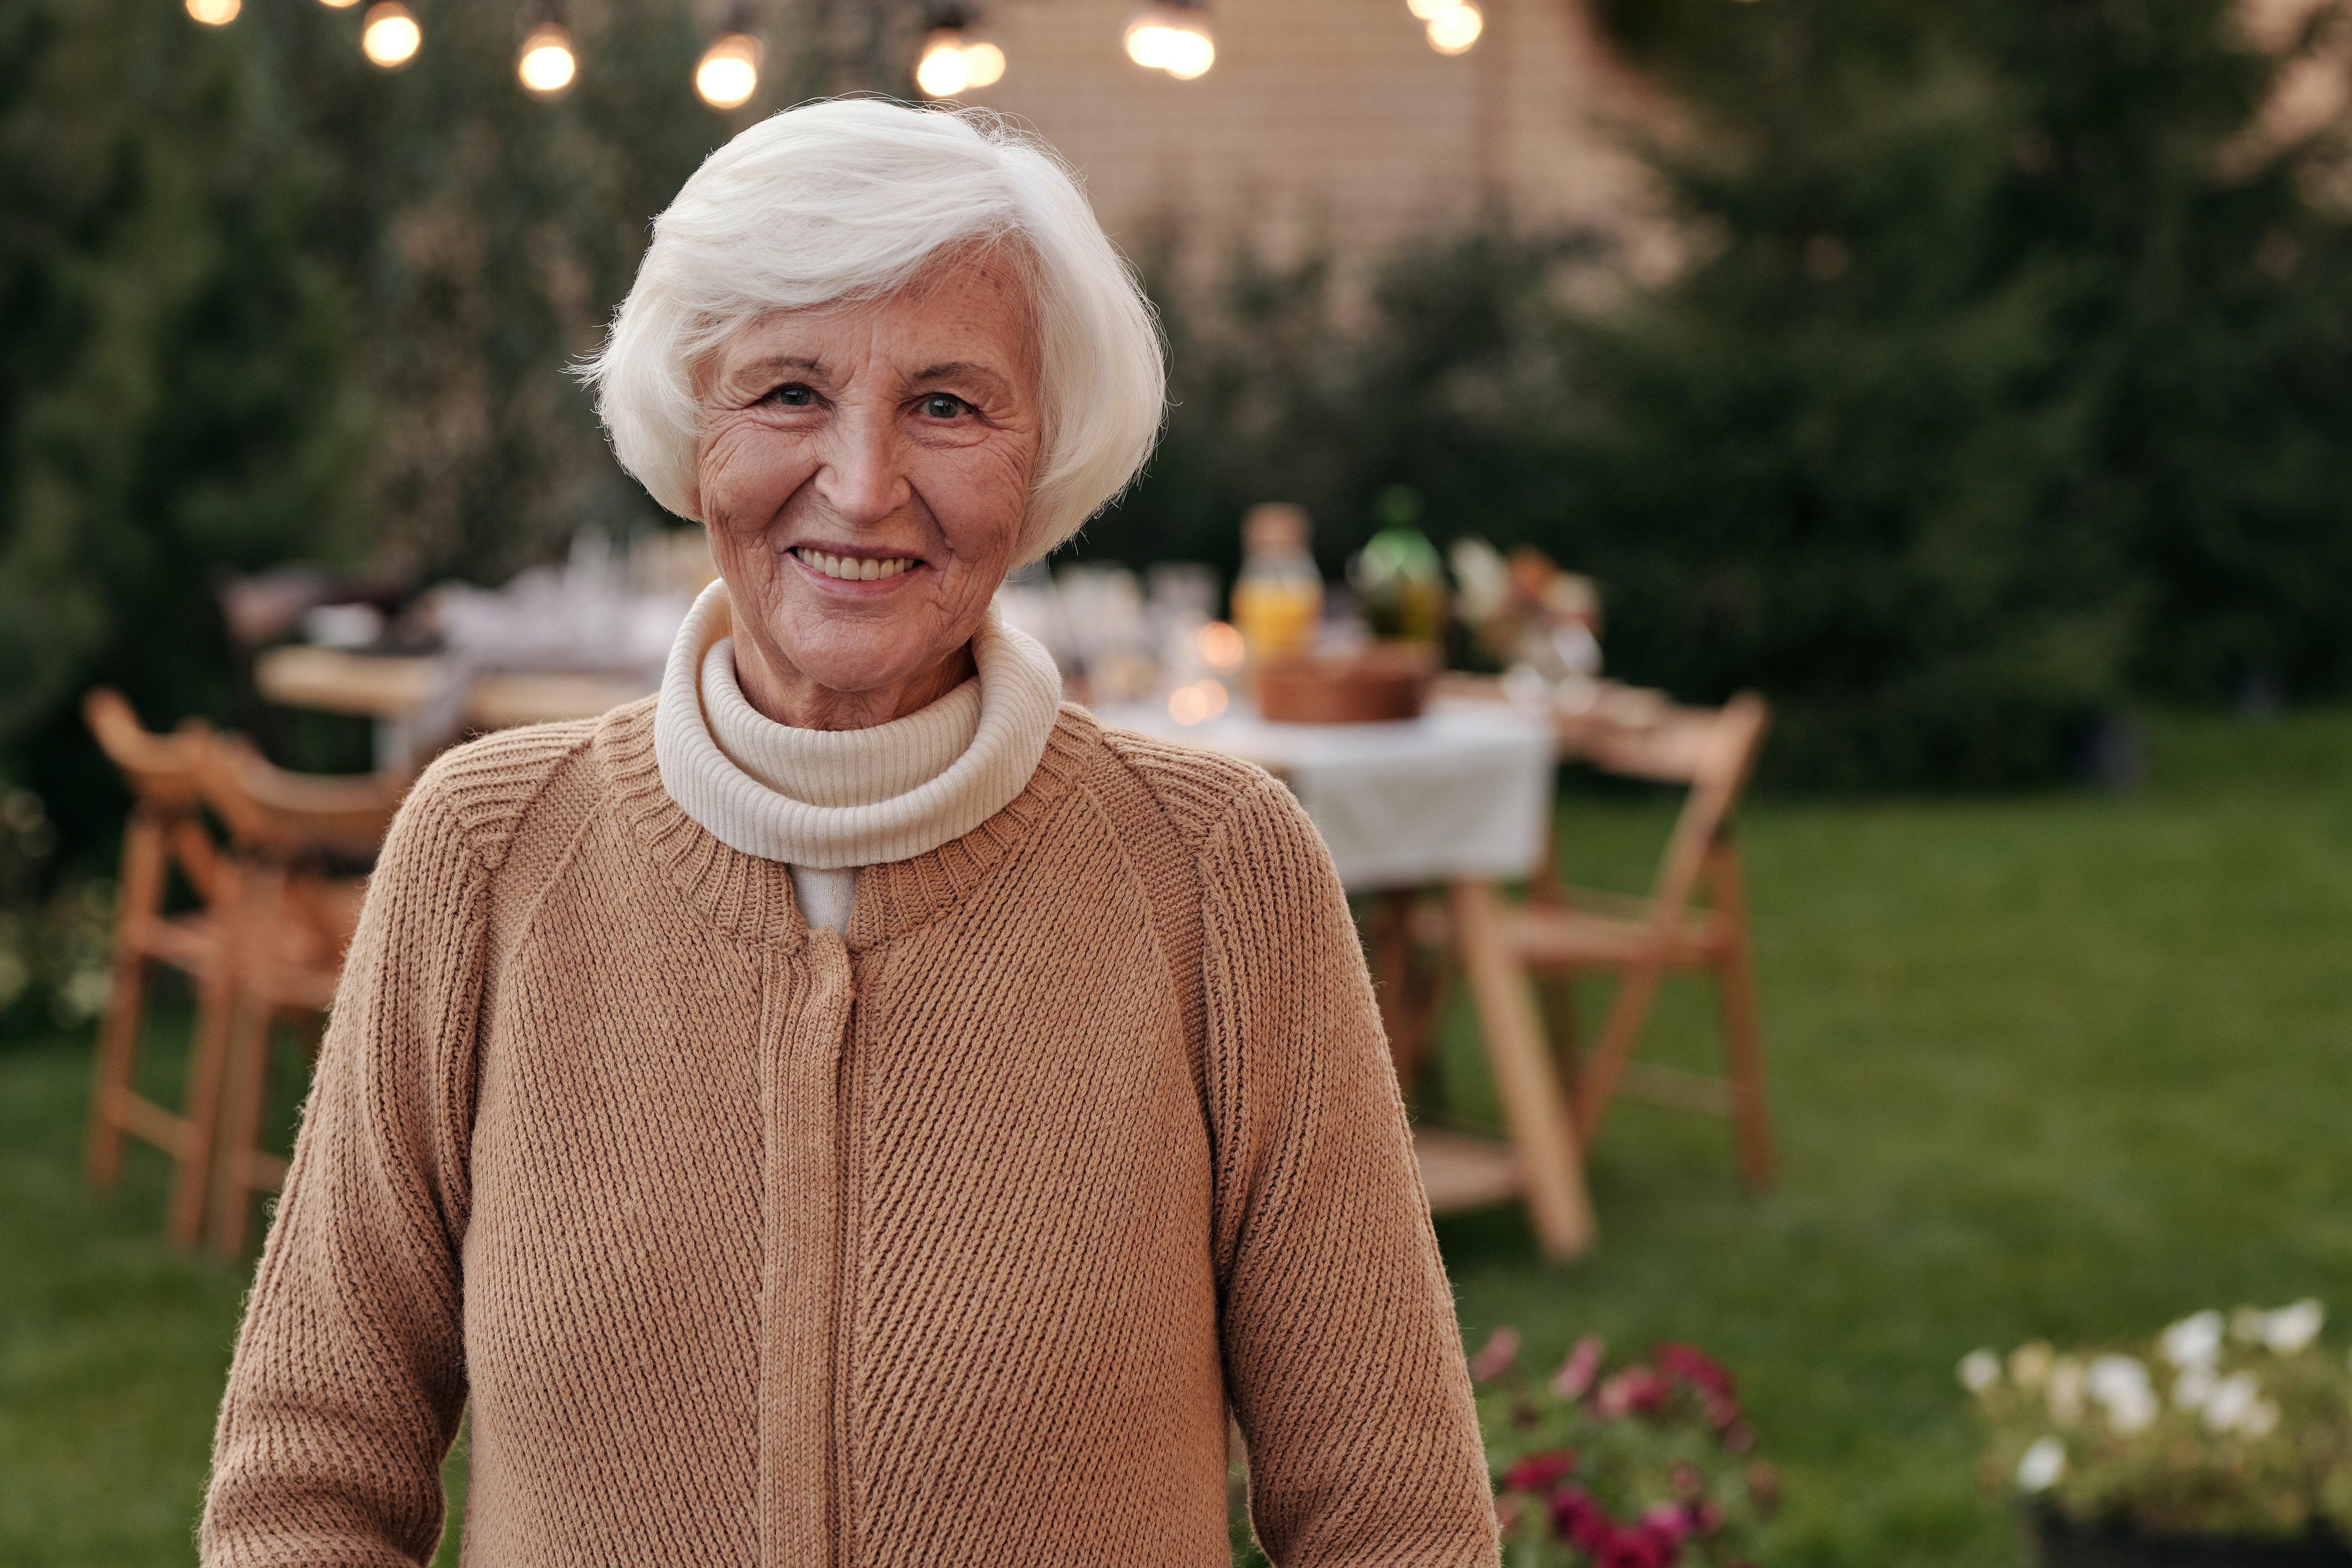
(955, 367)
(782, 361)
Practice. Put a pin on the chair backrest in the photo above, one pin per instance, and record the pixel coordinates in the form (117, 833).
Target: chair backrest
(159, 768)
(1711, 750)
(288, 816)
(162, 772)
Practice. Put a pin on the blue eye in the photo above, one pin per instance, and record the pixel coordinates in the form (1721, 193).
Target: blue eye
(794, 395)
(940, 405)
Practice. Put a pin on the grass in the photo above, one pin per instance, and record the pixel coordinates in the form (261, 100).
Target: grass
(2064, 1065)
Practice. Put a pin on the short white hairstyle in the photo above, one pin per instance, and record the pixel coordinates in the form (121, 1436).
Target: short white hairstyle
(852, 199)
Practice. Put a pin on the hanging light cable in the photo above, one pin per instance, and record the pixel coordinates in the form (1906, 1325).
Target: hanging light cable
(957, 58)
(1171, 35)
(546, 63)
(728, 72)
(390, 37)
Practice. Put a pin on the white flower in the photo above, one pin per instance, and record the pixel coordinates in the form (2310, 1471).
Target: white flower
(2248, 1324)
(1979, 1370)
(2030, 1364)
(2233, 1400)
(2193, 1387)
(2120, 1384)
(2194, 1341)
(2064, 1392)
(2043, 1463)
(2289, 1329)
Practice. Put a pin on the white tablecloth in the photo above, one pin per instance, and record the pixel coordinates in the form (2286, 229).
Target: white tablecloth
(1461, 791)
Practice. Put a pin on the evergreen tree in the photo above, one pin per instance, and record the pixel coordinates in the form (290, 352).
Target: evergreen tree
(2007, 373)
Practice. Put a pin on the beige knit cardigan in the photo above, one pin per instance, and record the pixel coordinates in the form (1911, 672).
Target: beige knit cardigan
(947, 1243)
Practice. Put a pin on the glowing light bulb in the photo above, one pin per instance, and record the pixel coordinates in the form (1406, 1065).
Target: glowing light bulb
(390, 37)
(729, 72)
(339, 4)
(1455, 28)
(214, 13)
(944, 69)
(987, 64)
(1423, 10)
(953, 62)
(1172, 38)
(546, 64)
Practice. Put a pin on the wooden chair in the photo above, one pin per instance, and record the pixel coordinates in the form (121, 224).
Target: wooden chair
(288, 918)
(165, 830)
(1561, 933)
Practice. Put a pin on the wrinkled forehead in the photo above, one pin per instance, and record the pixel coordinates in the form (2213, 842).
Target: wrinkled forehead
(971, 304)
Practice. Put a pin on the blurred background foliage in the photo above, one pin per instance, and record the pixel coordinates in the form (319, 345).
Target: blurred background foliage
(2001, 387)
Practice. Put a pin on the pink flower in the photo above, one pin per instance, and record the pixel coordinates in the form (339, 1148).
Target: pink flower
(1669, 1518)
(1579, 1521)
(1634, 1390)
(1501, 1349)
(1575, 1375)
(1643, 1546)
(1693, 1366)
(1538, 1472)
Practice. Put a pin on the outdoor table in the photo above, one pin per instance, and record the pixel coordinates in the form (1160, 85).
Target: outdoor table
(418, 702)
(1459, 798)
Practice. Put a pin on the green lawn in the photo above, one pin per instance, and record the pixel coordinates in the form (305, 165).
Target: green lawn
(2064, 1065)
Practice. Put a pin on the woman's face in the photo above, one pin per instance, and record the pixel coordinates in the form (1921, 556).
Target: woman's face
(864, 472)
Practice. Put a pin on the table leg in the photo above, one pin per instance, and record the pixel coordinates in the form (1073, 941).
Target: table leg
(1543, 1134)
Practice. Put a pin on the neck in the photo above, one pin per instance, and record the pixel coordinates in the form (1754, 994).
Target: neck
(783, 692)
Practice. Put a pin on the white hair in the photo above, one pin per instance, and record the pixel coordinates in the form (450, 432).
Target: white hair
(851, 199)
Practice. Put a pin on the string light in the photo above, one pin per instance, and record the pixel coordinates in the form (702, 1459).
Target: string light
(1171, 35)
(339, 4)
(954, 61)
(546, 64)
(390, 37)
(729, 72)
(1454, 28)
(214, 13)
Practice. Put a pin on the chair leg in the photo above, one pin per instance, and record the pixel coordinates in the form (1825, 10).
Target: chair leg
(1543, 1130)
(1734, 979)
(210, 1061)
(1561, 1022)
(247, 1066)
(139, 900)
(1637, 989)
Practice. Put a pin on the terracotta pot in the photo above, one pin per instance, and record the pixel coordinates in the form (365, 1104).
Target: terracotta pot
(2059, 1542)
(1385, 682)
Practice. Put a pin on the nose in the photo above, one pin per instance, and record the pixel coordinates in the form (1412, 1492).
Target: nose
(861, 480)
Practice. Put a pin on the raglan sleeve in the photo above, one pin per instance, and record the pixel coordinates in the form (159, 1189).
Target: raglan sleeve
(349, 1375)
(1342, 1356)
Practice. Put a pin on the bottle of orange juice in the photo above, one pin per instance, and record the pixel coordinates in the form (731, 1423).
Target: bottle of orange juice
(1278, 598)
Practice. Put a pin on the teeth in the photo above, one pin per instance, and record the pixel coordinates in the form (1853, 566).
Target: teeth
(853, 569)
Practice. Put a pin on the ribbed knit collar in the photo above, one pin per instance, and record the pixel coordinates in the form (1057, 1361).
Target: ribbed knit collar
(749, 898)
(828, 799)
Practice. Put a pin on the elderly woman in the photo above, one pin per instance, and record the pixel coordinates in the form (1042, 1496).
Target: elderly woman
(849, 1108)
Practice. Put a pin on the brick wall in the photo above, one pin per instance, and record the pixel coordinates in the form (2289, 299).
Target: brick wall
(1331, 116)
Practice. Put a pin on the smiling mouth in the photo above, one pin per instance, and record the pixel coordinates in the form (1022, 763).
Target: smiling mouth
(853, 569)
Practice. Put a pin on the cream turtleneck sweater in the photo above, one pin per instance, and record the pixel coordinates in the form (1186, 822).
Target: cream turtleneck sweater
(825, 802)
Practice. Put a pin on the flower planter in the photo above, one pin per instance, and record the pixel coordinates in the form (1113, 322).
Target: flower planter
(2059, 1542)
